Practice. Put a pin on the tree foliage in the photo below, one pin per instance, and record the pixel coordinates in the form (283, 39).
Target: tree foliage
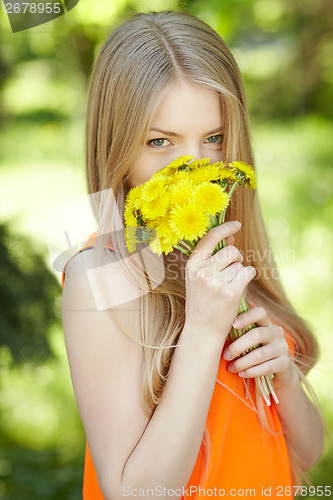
(284, 48)
(27, 296)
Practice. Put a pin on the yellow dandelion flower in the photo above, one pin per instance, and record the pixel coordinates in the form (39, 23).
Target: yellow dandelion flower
(131, 213)
(200, 162)
(132, 193)
(177, 201)
(155, 208)
(151, 223)
(133, 197)
(244, 173)
(131, 239)
(167, 247)
(189, 221)
(227, 173)
(181, 191)
(211, 197)
(204, 174)
(160, 245)
(163, 225)
(174, 166)
(164, 237)
(163, 172)
(213, 171)
(165, 230)
(219, 164)
(156, 245)
(153, 188)
(129, 216)
(179, 162)
(177, 175)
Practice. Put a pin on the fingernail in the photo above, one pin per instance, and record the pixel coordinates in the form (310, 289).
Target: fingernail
(237, 322)
(231, 368)
(227, 355)
(236, 223)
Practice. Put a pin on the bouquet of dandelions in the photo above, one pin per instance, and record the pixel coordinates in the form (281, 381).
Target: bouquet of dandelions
(179, 203)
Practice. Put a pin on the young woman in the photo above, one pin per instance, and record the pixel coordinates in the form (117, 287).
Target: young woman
(158, 383)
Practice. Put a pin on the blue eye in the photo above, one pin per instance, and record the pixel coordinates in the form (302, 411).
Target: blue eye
(215, 139)
(157, 143)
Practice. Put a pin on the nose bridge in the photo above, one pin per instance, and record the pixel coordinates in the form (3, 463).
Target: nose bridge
(193, 147)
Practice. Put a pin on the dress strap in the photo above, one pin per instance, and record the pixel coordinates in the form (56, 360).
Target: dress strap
(88, 246)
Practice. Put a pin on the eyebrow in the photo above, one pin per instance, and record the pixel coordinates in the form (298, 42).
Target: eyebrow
(173, 134)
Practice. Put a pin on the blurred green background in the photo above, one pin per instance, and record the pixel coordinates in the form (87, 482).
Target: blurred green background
(285, 51)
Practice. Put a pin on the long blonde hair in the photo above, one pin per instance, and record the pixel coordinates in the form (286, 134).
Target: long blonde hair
(138, 63)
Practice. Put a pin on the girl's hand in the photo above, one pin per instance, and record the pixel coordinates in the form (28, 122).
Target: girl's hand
(272, 357)
(215, 284)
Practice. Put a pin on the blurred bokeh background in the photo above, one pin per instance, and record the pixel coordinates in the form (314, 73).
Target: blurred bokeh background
(285, 51)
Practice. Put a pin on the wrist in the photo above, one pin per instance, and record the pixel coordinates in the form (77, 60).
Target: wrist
(288, 378)
(201, 338)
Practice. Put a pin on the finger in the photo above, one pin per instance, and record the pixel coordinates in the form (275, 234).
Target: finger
(257, 315)
(255, 336)
(207, 244)
(271, 366)
(257, 357)
(242, 278)
(230, 240)
(224, 257)
(230, 272)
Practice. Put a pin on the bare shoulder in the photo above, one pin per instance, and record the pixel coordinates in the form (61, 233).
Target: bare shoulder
(98, 281)
(105, 364)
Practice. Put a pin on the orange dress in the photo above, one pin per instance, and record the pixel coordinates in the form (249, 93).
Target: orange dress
(246, 460)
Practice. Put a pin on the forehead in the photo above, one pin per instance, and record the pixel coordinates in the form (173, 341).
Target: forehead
(188, 104)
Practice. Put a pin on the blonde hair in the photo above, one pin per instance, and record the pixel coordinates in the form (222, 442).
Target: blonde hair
(138, 63)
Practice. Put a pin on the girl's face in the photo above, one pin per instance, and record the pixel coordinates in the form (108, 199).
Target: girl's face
(188, 121)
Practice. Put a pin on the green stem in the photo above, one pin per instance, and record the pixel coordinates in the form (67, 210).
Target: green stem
(264, 384)
(214, 221)
(232, 189)
(221, 216)
(186, 244)
(182, 250)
